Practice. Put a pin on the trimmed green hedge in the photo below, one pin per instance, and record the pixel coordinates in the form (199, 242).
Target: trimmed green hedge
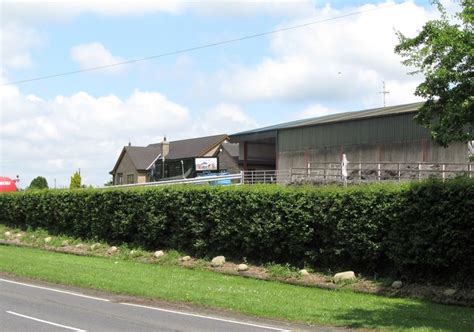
(420, 230)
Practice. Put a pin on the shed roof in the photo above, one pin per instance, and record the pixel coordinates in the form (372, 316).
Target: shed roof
(339, 117)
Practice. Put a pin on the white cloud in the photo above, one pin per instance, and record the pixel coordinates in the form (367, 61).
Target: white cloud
(234, 8)
(34, 11)
(333, 61)
(313, 111)
(95, 55)
(224, 119)
(15, 44)
(54, 137)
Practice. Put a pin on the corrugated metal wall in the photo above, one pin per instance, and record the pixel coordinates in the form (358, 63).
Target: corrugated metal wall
(392, 128)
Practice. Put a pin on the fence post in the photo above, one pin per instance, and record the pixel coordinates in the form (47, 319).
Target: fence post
(470, 170)
(444, 174)
(419, 171)
(264, 176)
(378, 171)
(399, 174)
(360, 172)
(291, 175)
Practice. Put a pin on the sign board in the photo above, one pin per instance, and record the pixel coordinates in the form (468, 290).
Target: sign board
(7, 184)
(206, 164)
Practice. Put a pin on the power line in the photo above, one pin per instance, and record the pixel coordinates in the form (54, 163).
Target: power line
(200, 47)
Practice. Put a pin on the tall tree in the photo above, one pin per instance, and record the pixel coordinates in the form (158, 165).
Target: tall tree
(443, 52)
(38, 182)
(75, 181)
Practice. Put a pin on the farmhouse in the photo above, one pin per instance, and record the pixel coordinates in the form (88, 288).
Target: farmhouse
(177, 159)
(387, 134)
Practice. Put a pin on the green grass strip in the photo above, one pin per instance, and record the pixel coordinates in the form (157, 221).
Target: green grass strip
(247, 296)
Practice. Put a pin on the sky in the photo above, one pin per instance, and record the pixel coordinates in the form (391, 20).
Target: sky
(54, 127)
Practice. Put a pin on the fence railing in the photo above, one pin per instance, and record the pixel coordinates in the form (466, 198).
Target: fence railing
(265, 177)
(383, 171)
(360, 172)
(329, 172)
(213, 180)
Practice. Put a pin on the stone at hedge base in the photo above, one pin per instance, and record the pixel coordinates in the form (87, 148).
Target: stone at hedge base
(342, 276)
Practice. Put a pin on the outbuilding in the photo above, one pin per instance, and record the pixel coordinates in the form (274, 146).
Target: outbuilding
(387, 134)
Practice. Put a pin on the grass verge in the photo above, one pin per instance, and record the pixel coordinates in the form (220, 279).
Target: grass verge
(247, 296)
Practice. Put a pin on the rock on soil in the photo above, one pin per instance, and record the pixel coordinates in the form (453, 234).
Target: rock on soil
(450, 292)
(7, 234)
(47, 239)
(218, 261)
(242, 267)
(112, 250)
(159, 253)
(185, 258)
(347, 275)
(95, 246)
(304, 273)
(397, 284)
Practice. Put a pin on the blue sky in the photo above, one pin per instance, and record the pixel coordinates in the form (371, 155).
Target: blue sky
(52, 127)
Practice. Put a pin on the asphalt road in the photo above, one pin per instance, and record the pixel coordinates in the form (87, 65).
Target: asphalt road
(36, 307)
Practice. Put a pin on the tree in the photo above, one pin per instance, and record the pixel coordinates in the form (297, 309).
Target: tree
(39, 182)
(444, 52)
(75, 181)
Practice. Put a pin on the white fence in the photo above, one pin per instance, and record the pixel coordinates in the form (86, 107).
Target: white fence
(328, 172)
(213, 180)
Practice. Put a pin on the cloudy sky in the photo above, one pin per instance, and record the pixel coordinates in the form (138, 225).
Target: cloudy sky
(53, 127)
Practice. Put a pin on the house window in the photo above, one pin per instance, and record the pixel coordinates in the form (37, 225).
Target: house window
(130, 178)
(119, 178)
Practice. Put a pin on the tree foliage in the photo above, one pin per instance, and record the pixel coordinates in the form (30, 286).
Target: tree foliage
(443, 52)
(39, 182)
(75, 181)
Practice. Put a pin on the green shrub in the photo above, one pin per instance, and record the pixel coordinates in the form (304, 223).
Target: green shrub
(423, 230)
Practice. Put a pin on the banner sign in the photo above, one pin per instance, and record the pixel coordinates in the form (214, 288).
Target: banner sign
(206, 164)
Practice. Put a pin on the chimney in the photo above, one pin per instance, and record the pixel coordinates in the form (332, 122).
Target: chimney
(165, 147)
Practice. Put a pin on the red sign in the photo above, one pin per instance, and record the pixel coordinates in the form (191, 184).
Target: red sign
(7, 184)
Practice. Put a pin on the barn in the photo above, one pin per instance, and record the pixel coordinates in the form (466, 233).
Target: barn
(380, 135)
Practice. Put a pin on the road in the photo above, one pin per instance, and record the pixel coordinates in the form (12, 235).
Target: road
(28, 306)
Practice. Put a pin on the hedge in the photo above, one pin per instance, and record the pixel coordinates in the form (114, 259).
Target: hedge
(421, 230)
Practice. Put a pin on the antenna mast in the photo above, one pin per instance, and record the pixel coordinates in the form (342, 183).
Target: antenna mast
(384, 92)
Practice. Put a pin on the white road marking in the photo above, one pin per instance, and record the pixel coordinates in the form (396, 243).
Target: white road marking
(206, 317)
(45, 321)
(55, 290)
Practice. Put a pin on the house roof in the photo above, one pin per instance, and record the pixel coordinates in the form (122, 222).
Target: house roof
(232, 149)
(339, 117)
(192, 147)
(143, 156)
